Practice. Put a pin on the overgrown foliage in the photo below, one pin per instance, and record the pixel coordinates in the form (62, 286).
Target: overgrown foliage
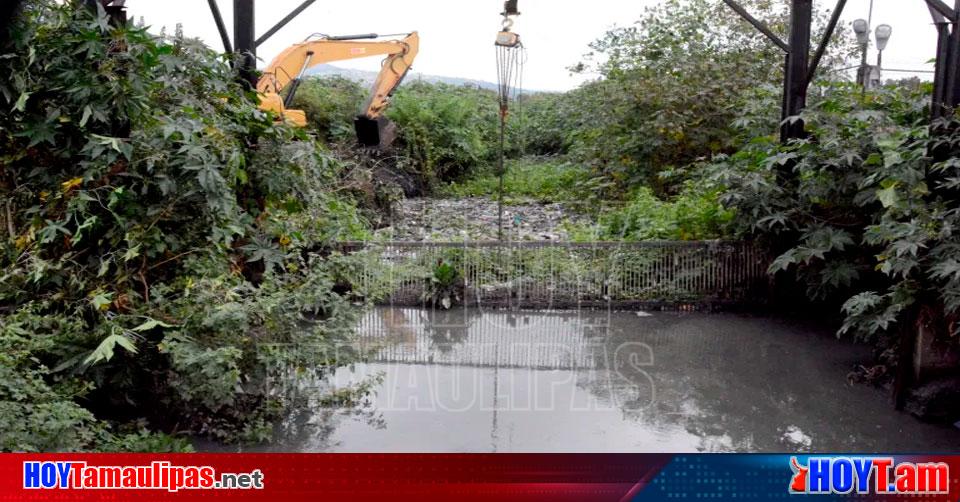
(672, 86)
(864, 211)
(691, 215)
(331, 103)
(543, 124)
(542, 179)
(445, 131)
(154, 245)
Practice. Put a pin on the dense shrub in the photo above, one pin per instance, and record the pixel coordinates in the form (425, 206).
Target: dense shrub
(541, 179)
(445, 131)
(331, 103)
(861, 212)
(149, 210)
(691, 215)
(542, 123)
(672, 86)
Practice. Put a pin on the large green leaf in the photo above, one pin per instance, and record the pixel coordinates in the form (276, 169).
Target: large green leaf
(104, 352)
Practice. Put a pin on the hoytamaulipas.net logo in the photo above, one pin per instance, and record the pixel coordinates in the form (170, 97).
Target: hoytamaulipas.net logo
(868, 475)
(67, 475)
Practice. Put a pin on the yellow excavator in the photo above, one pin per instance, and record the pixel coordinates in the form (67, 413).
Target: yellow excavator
(287, 71)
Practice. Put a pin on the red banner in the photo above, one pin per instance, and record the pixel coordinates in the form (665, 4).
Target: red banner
(507, 477)
(296, 477)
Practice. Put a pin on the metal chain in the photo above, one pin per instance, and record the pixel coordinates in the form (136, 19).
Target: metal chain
(509, 76)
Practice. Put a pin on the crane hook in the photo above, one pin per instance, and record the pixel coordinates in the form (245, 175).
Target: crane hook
(507, 38)
(509, 10)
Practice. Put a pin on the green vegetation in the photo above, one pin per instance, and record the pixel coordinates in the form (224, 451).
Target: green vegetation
(445, 131)
(863, 215)
(691, 215)
(165, 245)
(331, 103)
(541, 179)
(542, 124)
(445, 287)
(154, 248)
(674, 85)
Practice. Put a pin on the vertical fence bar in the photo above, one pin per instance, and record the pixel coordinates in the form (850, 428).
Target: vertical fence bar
(556, 274)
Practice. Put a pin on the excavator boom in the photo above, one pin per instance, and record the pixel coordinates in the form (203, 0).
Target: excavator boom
(288, 68)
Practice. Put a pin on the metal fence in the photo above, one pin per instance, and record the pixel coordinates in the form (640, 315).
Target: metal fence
(563, 275)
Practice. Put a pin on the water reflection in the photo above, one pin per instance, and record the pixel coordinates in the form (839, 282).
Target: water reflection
(470, 380)
(470, 337)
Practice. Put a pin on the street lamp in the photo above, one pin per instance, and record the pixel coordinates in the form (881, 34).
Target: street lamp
(883, 36)
(862, 29)
(867, 73)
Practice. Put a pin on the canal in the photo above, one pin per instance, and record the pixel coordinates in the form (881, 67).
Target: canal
(469, 380)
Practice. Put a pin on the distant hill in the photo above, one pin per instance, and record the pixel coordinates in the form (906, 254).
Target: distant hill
(367, 77)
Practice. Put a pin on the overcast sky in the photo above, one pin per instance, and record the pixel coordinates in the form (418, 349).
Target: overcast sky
(457, 35)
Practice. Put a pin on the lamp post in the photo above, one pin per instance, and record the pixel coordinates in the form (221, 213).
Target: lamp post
(862, 29)
(883, 36)
(868, 74)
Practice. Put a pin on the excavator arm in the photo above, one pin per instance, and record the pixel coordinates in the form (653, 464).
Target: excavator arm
(287, 70)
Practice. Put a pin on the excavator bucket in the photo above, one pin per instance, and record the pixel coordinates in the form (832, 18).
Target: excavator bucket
(376, 132)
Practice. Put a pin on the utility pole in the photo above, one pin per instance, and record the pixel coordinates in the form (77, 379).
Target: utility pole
(244, 39)
(796, 80)
(8, 11)
(862, 29)
(946, 95)
(799, 70)
(938, 104)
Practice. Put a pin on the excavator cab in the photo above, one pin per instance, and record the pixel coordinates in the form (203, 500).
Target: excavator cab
(287, 70)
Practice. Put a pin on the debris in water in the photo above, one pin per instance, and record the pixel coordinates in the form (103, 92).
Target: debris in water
(794, 436)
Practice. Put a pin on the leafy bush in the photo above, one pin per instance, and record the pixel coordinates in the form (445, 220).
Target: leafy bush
(861, 212)
(331, 103)
(692, 215)
(445, 131)
(445, 286)
(542, 179)
(542, 124)
(149, 210)
(672, 86)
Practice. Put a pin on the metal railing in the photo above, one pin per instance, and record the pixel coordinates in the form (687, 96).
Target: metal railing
(563, 275)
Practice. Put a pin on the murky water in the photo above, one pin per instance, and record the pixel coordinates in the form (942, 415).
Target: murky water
(474, 381)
